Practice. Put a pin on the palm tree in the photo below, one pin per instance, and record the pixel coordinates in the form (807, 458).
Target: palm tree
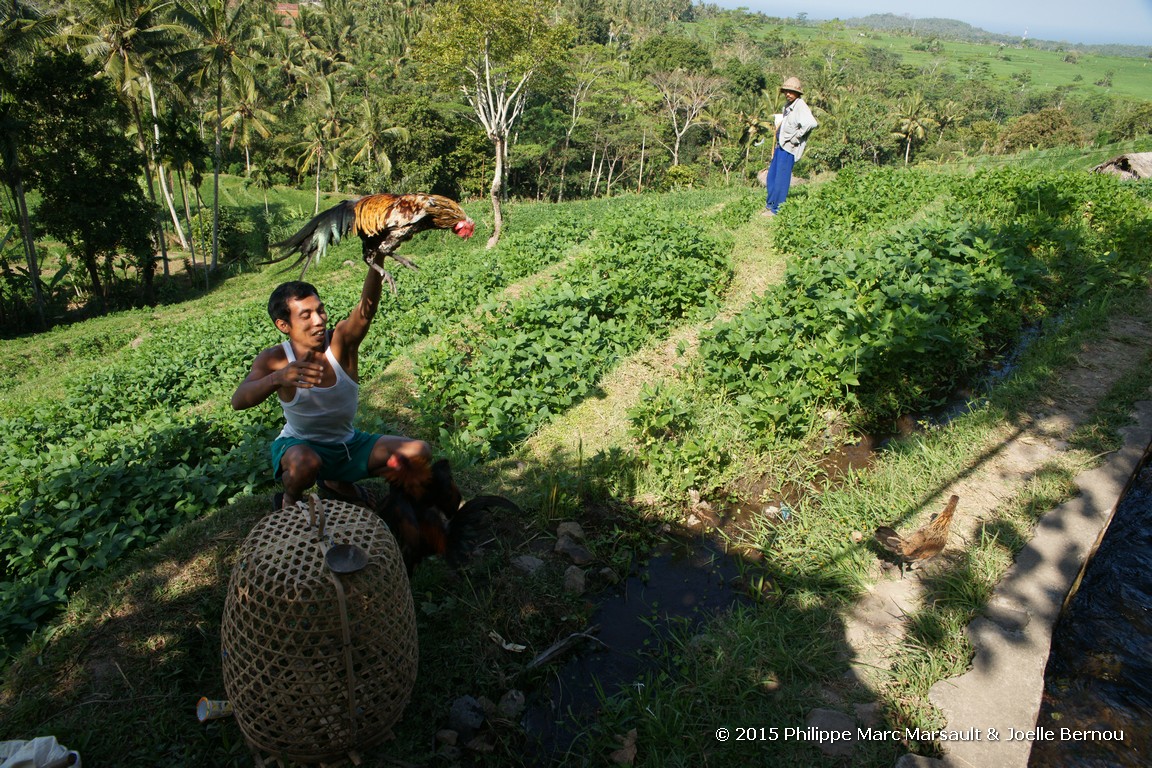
(948, 114)
(755, 130)
(245, 116)
(367, 138)
(222, 33)
(311, 153)
(323, 142)
(324, 36)
(282, 51)
(913, 122)
(126, 37)
(263, 181)
(184, 150)
(401, 22)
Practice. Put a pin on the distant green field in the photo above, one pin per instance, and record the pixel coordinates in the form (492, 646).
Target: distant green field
(1131, 77)
(1059, 158)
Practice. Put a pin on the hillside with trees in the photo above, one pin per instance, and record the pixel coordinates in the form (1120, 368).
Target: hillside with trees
(584, 99)
(951, 29)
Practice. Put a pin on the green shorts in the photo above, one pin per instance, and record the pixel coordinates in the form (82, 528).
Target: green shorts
(347, 462)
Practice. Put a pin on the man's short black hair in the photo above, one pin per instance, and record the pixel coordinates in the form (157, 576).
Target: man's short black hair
(286, 292)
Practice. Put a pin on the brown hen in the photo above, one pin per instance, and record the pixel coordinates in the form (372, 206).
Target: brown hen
(925, 543)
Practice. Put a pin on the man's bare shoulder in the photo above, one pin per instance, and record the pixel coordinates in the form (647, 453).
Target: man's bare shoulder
(270, 359)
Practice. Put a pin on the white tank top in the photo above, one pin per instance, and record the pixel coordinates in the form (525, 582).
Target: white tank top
(321, 414)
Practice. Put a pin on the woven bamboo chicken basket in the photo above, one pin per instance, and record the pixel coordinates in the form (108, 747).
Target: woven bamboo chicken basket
(318, 664)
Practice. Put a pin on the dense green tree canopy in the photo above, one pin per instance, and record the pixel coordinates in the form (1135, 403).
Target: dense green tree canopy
(1041, 130)
(91, 195)
(669, 53)
(528, 98)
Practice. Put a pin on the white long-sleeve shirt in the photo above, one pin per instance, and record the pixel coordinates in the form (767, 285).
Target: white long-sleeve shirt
(797, 123)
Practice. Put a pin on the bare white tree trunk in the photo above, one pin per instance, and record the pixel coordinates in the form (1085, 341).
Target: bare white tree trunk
(640, 177)
(497, 104)
(497, 189)
(316, 209)
(160, 170)
(29, 248)
(187, 215)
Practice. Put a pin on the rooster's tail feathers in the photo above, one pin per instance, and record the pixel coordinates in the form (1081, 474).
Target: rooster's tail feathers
(313, 239)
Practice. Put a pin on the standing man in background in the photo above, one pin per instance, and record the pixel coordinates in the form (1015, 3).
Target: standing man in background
(792, 129)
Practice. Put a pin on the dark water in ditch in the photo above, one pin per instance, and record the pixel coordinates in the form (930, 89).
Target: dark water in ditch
(1099, 674)
(689, 578)
(686, 580)
(679, 585)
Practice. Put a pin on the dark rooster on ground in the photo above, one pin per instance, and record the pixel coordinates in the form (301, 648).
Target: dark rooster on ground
(925, 543)
(427, 514)
(382, 221)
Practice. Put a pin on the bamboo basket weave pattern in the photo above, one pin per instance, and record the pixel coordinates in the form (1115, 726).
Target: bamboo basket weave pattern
(318, 665)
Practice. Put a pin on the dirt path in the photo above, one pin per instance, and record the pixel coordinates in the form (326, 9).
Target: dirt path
(599, 423)
(876, 627)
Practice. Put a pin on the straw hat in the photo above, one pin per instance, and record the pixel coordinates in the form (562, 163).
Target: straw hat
(792, 84)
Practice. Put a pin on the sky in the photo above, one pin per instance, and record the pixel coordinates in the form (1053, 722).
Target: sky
(1073, 21)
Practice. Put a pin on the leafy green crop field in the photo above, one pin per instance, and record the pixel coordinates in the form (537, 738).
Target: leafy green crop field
(904, 283)
(126, 429)
(901, 285)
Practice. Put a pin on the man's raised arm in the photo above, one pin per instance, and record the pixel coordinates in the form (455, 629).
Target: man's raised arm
(354, 328)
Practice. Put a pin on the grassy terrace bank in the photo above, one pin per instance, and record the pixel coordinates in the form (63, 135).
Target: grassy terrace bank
(705, 409)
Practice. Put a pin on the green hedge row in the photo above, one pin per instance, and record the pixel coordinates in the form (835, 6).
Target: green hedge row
(893, 327)
(495, 384)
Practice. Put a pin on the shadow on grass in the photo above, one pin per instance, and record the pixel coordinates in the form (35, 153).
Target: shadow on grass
(692, 638)
(689, 650)
(119, 676)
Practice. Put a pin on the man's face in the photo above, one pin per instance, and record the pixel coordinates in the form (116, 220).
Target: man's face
(308, 321)
(791, 96)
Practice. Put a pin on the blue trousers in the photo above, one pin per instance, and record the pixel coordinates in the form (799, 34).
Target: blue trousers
(779, 177)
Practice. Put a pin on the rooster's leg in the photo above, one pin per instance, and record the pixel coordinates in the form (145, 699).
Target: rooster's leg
(405, 262)
(383, 273)
(388, 279)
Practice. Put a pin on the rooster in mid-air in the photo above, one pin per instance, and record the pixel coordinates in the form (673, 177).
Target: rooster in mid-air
(383, 221)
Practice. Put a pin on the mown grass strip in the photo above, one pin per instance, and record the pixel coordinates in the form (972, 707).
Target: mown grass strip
(538, 355)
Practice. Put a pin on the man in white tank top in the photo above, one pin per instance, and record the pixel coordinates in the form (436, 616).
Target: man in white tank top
(314, 374)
